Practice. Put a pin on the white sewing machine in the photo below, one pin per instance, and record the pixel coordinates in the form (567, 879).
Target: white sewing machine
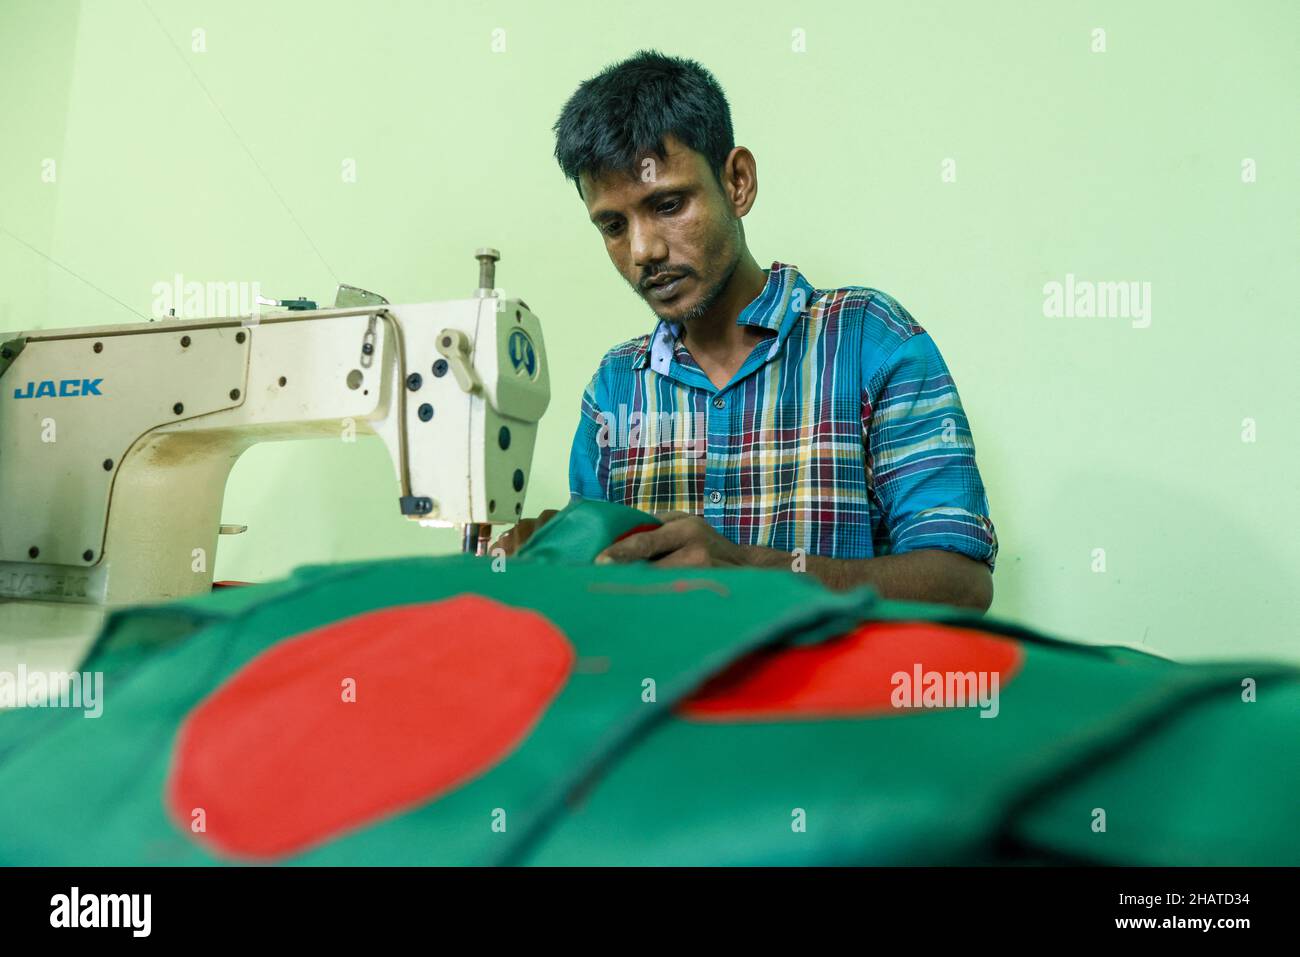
(116, 441)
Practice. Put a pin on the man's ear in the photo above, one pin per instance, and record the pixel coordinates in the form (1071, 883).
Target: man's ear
(740, 180)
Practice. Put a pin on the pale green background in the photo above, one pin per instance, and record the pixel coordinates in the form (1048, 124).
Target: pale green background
(1123, 165)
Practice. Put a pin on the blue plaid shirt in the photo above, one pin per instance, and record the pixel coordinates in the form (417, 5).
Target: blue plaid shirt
(843, 435)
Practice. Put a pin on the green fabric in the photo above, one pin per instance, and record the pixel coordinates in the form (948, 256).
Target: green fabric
(1186, 771)
(1207, 785)
(949, 787)
(581, 531)
(90, 791)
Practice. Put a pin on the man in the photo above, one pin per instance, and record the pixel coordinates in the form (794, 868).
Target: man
(797, 428)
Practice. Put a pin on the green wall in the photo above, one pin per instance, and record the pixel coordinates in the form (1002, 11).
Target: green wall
(1123, 165)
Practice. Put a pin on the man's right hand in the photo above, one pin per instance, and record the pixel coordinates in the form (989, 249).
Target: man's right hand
(511, 541)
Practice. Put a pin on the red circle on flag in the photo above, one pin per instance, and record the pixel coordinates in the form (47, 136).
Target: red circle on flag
(850, 676)
(338, 727)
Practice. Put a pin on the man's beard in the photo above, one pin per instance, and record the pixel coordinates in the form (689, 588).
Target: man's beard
(710, 297)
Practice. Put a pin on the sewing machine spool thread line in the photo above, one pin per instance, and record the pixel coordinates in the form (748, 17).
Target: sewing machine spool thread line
(487, 269)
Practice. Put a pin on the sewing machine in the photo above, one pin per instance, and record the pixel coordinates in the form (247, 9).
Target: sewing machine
(116, 441)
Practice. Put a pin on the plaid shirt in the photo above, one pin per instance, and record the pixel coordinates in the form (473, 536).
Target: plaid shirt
(843, 435)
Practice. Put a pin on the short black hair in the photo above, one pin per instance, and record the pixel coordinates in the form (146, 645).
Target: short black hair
(628, 109)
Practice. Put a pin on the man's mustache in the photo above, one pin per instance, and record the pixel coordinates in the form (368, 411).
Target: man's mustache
(680, 273)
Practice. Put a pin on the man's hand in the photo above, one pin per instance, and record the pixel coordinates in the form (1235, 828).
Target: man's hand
(514, 539)
(682, 541)
(926, 574)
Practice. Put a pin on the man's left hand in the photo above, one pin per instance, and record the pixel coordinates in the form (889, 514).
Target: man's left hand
(683, 541)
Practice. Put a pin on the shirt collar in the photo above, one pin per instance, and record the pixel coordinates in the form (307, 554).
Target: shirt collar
(785, 296)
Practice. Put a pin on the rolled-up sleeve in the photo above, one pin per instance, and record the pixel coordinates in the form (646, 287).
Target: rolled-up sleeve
(922, 457)
(584, 459)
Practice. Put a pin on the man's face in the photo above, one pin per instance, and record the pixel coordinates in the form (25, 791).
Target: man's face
(668, 220)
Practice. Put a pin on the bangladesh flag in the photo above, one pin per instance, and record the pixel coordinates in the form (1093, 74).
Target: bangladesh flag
(543, 710)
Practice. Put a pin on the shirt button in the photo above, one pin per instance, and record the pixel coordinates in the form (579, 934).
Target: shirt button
(715, 496)
(719, 402)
